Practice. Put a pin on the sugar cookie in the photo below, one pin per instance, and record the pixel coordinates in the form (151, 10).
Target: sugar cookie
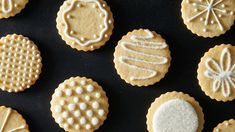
(85, 24)
(175, 112)
(226, 126)
(142, 57)
(79, 104)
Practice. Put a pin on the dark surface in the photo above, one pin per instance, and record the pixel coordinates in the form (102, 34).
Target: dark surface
(128, 105)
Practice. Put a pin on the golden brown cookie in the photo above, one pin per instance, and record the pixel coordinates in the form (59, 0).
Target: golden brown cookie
(142, 57)
(85, 24)
(216, 73)
(175, 112)
(12, 121)
(9, 8)
(226, 126)
(20, 63)
(79, 104)
(208, 18)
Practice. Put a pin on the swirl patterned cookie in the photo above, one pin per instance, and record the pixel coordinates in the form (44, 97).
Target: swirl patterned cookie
(9, 8)
(85, 24)
(216, 73)
(226, 126)
(79, 104)
(142, 57)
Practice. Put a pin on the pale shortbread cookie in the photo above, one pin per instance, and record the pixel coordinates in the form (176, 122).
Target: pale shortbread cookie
(208, 18)
(9, 8)
(142, 57)
(226, 126)
(79, 104)
(85, 24)
(20, 63)
(12, 121)
(175, 112)
(216, 73)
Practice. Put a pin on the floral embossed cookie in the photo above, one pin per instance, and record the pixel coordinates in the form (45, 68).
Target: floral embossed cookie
(175, 112)
(208, 18)
(85, 24)
(9, 8)
(11, 121)
(216, 73)
(226, 126)
(142, 57)
(79, 104)
(20, 63)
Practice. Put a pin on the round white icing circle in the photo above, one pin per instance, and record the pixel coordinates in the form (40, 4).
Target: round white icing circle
(175, 115)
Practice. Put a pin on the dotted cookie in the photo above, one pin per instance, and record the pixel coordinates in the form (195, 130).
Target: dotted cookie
(79, 104)
(208, 18)
(85, 24)
(9, 8)
(11, 121)
(226, 126)
(20, 63)
(142, 57)
(175, 112)
(216, 73)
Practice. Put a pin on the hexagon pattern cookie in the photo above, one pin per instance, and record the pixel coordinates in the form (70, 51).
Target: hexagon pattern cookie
(85, 24)
(20, 63)
(79, 104)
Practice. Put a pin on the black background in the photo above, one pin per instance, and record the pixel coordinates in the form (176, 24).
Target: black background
(128, 104)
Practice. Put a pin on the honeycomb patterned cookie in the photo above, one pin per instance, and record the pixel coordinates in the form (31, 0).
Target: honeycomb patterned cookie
(79, 104)
(20, 63)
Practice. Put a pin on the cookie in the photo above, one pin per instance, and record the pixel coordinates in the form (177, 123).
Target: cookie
(9, 8)
(85, 24)
(79, 104)
(216, 73)
(20, 63)
(142, 57)
(226, 126)
(175, 112)
(12, 121)
(208, 18)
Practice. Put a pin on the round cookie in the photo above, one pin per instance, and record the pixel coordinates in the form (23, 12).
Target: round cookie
(208, 18)
(226, 126)
(79, 104)
(142, 57)
(9, 8)
(12, 121)
(85, 24)
(216, 73)
(175, 112)
(20, 63)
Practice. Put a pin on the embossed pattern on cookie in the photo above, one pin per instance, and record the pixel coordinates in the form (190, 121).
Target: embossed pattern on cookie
(226, 126)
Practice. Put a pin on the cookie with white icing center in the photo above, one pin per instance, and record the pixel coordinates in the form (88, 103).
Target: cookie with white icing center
(226, 126)
(79, 104)
(9, 8)
(175, 112)
(85, 24)
(208, 18)
(142, 57)
(216, 73)
(12, 121)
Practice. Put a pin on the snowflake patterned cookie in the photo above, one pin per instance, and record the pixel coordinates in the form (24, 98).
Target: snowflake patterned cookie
(142, 57)
(20, 63)
(216, 73)
(208, 18)
(79, 104)
(85, 24)
(11, 121)
(175, 112)
(226, 126)
(9, 8)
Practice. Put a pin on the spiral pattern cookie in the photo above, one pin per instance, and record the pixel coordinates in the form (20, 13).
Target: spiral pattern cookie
(79, 104)
(20, 63)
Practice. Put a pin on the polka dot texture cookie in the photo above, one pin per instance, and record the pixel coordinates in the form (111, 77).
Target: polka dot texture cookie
(9, 8)
(79, 104)
(20, 63)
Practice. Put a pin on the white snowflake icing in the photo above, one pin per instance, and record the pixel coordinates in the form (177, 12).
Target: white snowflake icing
(222, 73)
(216, 8)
